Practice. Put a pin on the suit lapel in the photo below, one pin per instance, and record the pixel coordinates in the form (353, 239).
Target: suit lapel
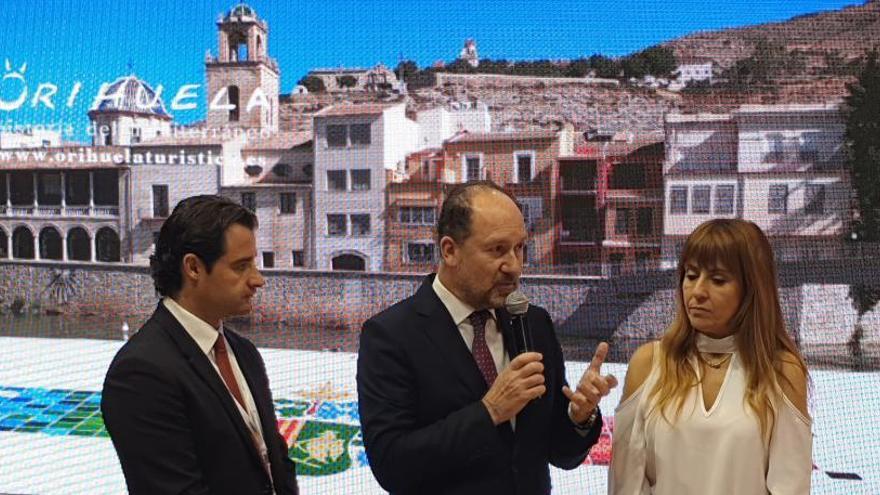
(444, 334)
(250, 370)
(205, 370)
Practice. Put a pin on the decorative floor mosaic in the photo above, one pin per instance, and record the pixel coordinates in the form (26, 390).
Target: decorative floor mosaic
(318, 417)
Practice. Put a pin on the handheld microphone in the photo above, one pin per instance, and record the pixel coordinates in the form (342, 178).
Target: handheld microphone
(517, 304)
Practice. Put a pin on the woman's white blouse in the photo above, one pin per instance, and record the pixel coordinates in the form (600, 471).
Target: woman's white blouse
(719, 450)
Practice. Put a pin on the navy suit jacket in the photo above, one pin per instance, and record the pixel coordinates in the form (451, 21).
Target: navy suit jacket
(425, 428)
(176, 427)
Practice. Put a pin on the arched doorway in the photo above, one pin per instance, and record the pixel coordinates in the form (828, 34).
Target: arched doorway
(50, 244)
(78, 245)
(349, 262)
(107, 245)
(4, 245)
(22, 243)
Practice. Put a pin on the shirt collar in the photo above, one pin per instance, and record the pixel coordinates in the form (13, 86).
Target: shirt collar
(458, 309)
(201, 331)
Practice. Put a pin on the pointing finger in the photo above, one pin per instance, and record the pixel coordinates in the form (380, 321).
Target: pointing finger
(599, 357)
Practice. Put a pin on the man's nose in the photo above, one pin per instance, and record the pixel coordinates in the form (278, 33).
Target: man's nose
(257, 280)
(512, 263)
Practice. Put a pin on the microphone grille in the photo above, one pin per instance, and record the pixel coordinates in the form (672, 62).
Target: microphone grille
(517, 303)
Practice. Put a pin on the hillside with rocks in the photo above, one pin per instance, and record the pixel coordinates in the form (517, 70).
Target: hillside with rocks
(847, 33)
(524, 104)
(829, 44)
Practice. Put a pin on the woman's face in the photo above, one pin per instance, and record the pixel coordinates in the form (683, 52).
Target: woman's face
(712, 297)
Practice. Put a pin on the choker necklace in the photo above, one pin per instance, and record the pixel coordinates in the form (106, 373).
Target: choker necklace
(708, 345)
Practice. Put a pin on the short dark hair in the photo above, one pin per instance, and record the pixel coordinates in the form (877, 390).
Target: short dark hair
(455, 213)
(197, 225)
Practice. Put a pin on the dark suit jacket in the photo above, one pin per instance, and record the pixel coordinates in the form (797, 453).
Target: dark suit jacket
(425, 429)
(176, 427)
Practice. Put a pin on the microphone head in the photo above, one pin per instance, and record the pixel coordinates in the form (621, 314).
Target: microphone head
(517, 303)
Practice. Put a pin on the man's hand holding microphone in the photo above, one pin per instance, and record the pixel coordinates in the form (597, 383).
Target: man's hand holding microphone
(523, 380)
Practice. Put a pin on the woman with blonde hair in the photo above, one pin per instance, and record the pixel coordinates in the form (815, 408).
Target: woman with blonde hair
(719, 404)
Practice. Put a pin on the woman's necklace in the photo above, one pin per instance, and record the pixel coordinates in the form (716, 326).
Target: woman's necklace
(717, 364)
(707, 346)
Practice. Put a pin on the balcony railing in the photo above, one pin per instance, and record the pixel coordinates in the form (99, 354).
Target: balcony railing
(106, 211)
(16, 211)
(48, 211)
(79, 211)
(647, 195)
(43, 211)
(792, 156)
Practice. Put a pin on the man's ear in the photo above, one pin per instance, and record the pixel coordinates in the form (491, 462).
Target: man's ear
(191, 268)
(449, 251)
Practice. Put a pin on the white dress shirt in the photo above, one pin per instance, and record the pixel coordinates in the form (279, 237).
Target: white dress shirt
(460, 311)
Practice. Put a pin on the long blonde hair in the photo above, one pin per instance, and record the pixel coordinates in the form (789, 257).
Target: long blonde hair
(761, 338)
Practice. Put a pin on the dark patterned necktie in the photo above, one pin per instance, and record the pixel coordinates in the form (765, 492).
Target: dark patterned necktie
(480, 349)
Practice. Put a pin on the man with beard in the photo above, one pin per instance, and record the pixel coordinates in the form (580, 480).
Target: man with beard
(446, 405)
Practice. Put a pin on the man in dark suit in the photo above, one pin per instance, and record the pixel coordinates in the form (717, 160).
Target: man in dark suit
(187, 401)
(446, 405)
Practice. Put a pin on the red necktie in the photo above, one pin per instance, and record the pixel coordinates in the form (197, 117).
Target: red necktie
(222, 357)
(480, 349)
